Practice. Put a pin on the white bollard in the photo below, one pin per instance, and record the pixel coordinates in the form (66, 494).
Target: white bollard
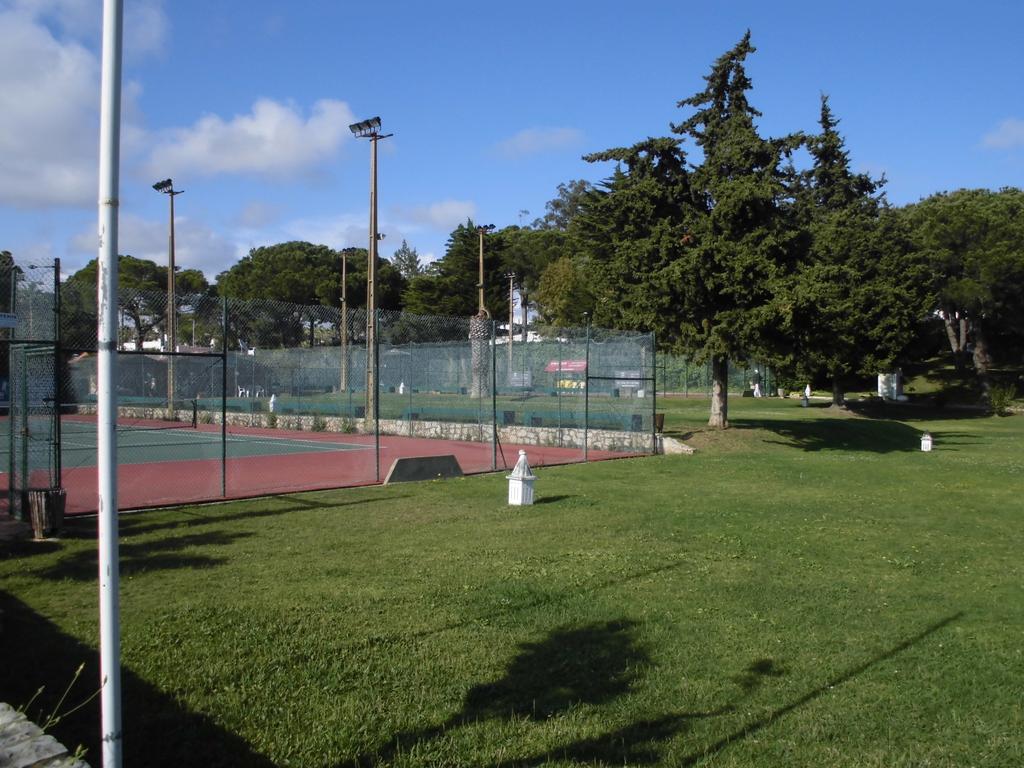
(520, 483)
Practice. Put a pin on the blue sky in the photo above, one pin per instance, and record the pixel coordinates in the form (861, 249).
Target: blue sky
(246, 106)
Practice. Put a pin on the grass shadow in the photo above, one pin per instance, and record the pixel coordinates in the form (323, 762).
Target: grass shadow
(85, 527)
(593, 664)
(841, 434)
(760, 723)
(159, 731)
(140, 557)
(642, 742)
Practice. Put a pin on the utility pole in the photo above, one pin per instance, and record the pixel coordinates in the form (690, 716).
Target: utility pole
(481, 309)
(344, 322)
(511, 319)
(167, 187)
(370, 129)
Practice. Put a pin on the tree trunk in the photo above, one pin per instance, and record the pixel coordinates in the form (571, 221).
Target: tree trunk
(719, 392)
(958, 328)
(982, 361)
(479, 336)
(954, 345)
(838, 393)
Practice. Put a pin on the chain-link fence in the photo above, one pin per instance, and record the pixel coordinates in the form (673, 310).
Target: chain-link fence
(257, 397)
(677, 375)
(29, 377)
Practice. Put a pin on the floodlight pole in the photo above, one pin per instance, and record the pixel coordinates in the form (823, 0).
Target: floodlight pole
(109, 569)
(344, 322)
(370, 129)
(511, 319)
(167, 187)
(481, 309)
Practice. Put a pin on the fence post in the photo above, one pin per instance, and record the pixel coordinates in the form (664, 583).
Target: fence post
(558, 384)
(56, 374)
(376, 392)
(654, 392)
(586, 393)
(494, 397)
(224, 398)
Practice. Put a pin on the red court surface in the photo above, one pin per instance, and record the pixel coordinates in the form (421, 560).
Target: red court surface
(168, 483)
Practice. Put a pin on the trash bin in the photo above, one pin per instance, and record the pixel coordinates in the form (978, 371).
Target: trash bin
(659, 422)
(46, 510)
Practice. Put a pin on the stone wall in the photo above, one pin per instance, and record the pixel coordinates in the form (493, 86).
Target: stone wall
(597, 439)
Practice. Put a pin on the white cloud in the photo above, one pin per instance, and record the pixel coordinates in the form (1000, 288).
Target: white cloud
(257, 215)
(445, 215)
(196, 245)
(48, 103)
(274, 140)
(49, 94)
(533, 141)
(1009, 134)
(344, 231)
(145, 27)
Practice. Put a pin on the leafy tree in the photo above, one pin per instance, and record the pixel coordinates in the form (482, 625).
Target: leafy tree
(142, 289)
(528, 252)
(303, 275)
(452, 288)
(297, 272)
(630, 232)
(8, 275)
(407, 261)
(857, 296)
(564, 296)
(741, 244)
(566, 206)
(974, 241)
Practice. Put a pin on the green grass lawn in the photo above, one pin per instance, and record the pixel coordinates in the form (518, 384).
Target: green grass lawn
(808, 589)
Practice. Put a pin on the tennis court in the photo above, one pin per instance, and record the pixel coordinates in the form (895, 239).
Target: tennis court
(162, 463)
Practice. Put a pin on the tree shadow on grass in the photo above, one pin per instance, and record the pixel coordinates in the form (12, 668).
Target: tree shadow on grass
(916, 409)
(84, 527)
(642, 742)
(139, 557)
(841, 434)
(159, 732)
(593, 664)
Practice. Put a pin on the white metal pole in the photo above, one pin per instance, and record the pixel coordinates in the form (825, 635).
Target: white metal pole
(106, 293)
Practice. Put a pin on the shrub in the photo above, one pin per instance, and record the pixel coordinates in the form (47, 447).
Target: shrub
(1001, 398)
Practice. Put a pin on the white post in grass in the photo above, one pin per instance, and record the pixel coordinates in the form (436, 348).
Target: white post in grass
(106, 396)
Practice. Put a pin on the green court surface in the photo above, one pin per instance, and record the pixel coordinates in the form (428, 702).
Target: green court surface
(142, 445)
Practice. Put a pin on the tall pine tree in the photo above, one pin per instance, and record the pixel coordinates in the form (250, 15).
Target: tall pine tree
(857, 296)
(742, 244)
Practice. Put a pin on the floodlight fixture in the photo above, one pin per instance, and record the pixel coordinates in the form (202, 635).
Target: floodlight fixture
(164, 186)
(365, 128)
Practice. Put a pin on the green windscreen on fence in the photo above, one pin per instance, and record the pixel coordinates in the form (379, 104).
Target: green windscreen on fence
(257, 397)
